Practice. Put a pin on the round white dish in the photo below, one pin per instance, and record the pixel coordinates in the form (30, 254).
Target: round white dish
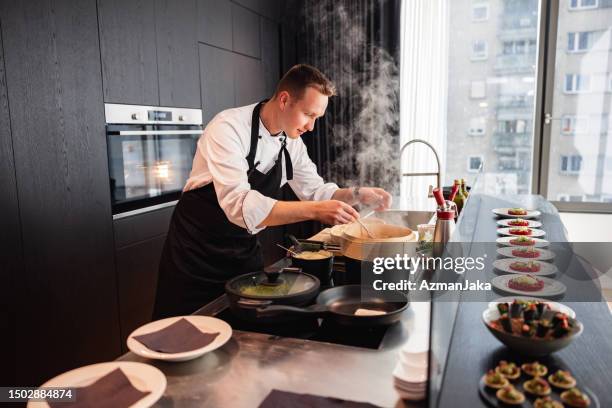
(503, 265)
(506, 223)
(503, 212)
(545, 254)
(551, 286)
(505, 240)
(205, 324)
(534, 232)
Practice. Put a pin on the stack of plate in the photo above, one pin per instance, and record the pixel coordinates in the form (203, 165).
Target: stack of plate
(410, 375)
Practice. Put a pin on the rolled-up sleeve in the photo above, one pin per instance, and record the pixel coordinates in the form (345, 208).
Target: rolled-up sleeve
(225, 156)
(306, 183)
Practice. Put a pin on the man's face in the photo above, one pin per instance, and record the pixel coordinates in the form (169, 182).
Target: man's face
(299, 115)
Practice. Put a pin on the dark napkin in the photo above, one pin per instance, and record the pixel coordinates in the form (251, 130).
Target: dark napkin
(179, 337)
(114, 390)
(286, 399)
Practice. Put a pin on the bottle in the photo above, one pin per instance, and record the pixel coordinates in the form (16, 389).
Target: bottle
(464, 188)
(459, 198)
(445, 224)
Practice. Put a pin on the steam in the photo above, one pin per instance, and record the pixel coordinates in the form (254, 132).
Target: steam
(363, 120)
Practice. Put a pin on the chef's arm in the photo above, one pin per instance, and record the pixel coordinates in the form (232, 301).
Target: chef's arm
(330, 212)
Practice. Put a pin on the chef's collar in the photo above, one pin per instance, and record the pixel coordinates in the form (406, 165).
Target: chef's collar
(264, 132)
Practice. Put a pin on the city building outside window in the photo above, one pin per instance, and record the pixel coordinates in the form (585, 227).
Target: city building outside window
(572, 124)
(576, 83)
(583, 4)
(478, 126)
(579, 41)
(480, 11)
(571, 164)
(474, 163)
(478, 90)
(479, 50)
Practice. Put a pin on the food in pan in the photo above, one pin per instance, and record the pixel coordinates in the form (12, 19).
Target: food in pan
(522, 266)
(526, 252)
(523, 241)
(313, 255)
(508, 370)
(518, 222)
(520, 231)
(562, 379)
(517, 211)
(510, 395)
(535, 369)
(526, 283)
(537, 386)
(546, 402)
(495, 380)
(575, 398)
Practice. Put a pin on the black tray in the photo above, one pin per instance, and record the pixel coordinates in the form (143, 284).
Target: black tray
(553, 364)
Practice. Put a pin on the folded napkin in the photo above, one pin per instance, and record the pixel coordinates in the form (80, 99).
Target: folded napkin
(286, 399)
(178, 337)
(114, 390)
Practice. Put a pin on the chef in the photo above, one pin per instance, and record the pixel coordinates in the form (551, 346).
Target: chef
(242, 160)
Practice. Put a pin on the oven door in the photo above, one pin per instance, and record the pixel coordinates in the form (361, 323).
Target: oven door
(149, 164)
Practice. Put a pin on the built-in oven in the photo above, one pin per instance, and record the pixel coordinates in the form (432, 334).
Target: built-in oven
(150, 152)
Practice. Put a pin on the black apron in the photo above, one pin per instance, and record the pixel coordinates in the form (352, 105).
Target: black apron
(203, 249)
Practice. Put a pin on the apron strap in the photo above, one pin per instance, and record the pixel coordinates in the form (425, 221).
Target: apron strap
(288, 164)
(254, 134)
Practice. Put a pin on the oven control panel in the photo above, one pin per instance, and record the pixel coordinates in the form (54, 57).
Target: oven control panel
(136, 114)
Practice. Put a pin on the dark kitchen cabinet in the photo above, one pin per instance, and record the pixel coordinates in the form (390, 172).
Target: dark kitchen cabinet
(245, 26)
(177, 53)
(270, 54)
(66, 302)
(270, 8)
(215, 23)
(217, 76)
(249, 80)
(128, 51)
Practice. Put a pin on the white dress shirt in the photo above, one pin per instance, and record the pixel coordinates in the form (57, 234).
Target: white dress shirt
(221, 158)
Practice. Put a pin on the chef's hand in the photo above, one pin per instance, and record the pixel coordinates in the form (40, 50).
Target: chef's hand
(374, 197)
(333, 212)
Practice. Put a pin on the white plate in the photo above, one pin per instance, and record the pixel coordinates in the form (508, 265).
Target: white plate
(503, 212)
(545, 254)
(532, 224)
(206, 324)
(503, 265)
(534, 232)
(551, 286)
(144, 377)
(539, 242)
(557, 307)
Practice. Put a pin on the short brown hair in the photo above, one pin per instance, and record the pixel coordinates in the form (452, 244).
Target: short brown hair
(301, 76)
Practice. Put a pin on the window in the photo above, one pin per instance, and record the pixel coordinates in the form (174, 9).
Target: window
(519, 47)
(575, 83)
(571, 124)
(474, 163)
(582, 4)
(479, 50)
(512, 126)
(478, 90)
(579, 41)
(480, 12)
(478, 126)
(571, 164)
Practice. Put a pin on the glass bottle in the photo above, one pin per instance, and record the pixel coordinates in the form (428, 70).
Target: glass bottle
(459, 197)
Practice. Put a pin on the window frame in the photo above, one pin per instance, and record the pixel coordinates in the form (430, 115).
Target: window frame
(476, 57)
(579, 5)
(469, 163)
(484, 5)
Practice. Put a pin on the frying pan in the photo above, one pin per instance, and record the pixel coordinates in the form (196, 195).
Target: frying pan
(339, 305)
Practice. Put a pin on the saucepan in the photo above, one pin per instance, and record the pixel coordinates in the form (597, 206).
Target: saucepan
(346, 305)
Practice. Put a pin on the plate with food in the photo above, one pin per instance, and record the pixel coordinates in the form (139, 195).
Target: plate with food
(525, 252)
(527, 266)
(522, 241)
(528, 284)
(505, 304)
(521, 232)
(516, 212)
(513, 384)
(519, 222)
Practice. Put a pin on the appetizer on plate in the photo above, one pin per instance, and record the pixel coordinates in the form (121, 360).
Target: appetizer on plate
(522, 266)
(575, 398)
(527, 283)
(517, 211)
(525, 252)
(547, 402)
(534, 320)
(537, 386)
(508, 370)
(518, 222)
(522, 241)
(535, 369)
(562, 379)
(510, 395)
(495, 380)
(520, 231)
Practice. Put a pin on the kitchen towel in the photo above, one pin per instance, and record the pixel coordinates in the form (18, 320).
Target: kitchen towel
(178, 337)
(286, 399)
(114, 390)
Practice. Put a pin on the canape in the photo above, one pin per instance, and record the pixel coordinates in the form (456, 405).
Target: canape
(508, 370)
(526, 283)
(546, 402)
(510, 395)
(495, 380)
(522, 266)
(562, 379)
(575, 398)
(525, 252)
(520, 231)
(517, 211)
(523, 241)
(518, 222)
(537, 386)
(535, 369)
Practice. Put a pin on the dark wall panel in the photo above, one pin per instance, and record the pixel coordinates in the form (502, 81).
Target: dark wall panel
(177, 53)
(215, 23)
(270, 54)
(10, 239)
(217, 75)
(69, 284)
(245, 26)
(129, 56)
(249, 80)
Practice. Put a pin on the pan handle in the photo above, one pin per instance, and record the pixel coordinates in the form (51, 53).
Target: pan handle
(275, 310)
